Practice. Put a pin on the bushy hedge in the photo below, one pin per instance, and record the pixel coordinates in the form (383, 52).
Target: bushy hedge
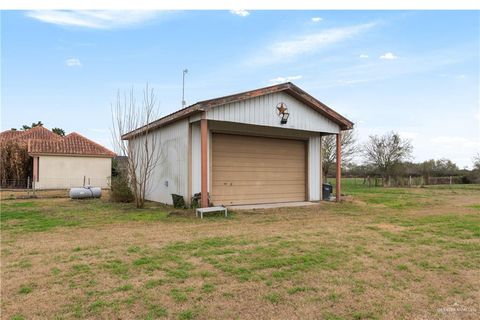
(120, 189)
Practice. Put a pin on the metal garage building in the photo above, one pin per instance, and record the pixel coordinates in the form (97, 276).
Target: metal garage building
(259, 146)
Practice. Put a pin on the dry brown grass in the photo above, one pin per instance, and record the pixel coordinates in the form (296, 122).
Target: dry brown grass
(334, 261)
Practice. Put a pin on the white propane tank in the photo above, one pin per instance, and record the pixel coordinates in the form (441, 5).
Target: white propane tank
(85, 192)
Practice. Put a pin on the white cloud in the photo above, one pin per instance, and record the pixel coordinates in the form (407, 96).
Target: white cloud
(363, 56)
(99, 19)
(308, 44)
(316, 19)
(278, 80)
(388, 56)
(73, 62)
(240, 12)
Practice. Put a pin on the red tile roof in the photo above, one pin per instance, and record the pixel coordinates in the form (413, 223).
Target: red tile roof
(38, 132)
(43, 141)
(10, 134)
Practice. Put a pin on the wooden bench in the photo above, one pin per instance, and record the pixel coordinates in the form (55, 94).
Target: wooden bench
(210, 209)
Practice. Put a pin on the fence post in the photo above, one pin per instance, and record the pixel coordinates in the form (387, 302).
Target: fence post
(450, 179)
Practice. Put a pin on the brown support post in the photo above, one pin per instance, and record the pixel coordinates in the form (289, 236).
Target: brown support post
(339, 167)
(204, 152)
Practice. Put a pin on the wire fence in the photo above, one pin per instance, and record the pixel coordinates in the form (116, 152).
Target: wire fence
(410, 181)
(53, 183)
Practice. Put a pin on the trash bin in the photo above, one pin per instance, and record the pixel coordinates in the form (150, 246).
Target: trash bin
(327, 190)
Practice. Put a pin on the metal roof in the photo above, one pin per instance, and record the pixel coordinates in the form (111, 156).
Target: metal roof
(205, 105)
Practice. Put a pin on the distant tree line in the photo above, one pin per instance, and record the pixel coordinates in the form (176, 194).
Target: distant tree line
(26, 127)
(388, 156)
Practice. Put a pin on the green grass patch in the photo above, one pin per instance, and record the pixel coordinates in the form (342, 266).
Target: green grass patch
(35, 216)
(80, 268)
(273, 297)
(178, 295)
(126, 287)
(186, 315)
(402, 267)
(117, 267)
(295, 290)
(156, 312)
(26, 216)
(152, 283)
(208, 288)
(26, 288)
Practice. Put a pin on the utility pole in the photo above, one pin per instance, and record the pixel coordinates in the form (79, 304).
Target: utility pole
(185, 71)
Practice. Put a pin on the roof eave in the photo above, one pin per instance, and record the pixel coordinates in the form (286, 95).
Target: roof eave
(71, 155)
(181, 114)
(206, 105)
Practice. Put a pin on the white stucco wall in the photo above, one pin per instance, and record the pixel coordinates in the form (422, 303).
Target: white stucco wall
(61, 172)
(170, 176)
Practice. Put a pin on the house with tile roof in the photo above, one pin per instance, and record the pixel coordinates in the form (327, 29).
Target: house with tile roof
(63, 162)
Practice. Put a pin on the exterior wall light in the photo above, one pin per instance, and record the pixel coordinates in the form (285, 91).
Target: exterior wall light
(285, 116)
(282, 112)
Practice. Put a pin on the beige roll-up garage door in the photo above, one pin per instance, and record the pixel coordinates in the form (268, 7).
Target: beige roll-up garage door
(250, 170)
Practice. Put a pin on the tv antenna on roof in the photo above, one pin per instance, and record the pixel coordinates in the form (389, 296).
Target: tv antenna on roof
(185, 71)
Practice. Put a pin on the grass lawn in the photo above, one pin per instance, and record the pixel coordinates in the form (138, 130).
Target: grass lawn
(381, 254)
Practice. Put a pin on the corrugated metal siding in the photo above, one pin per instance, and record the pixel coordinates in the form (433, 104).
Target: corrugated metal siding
(314, 168)
(171, 173)
(262, 111)
(196, 159)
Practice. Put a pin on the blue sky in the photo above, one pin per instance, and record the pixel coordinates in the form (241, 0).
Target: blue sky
(414, 72)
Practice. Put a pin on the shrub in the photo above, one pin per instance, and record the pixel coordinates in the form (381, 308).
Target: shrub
(120, 190)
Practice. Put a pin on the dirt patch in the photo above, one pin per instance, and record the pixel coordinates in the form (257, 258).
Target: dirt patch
(390, 227)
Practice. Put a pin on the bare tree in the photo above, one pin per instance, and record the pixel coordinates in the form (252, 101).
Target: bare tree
(386, 152)
(349, 147)
(476, 162)
(142, 149)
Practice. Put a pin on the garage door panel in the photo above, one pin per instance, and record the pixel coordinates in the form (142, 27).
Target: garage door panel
(278, 183)
(254, 176)
(261, 149)
(260, 170)
(249, 162)
(255, 199)
(255, 190)
(267, 158)
(257, 170)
